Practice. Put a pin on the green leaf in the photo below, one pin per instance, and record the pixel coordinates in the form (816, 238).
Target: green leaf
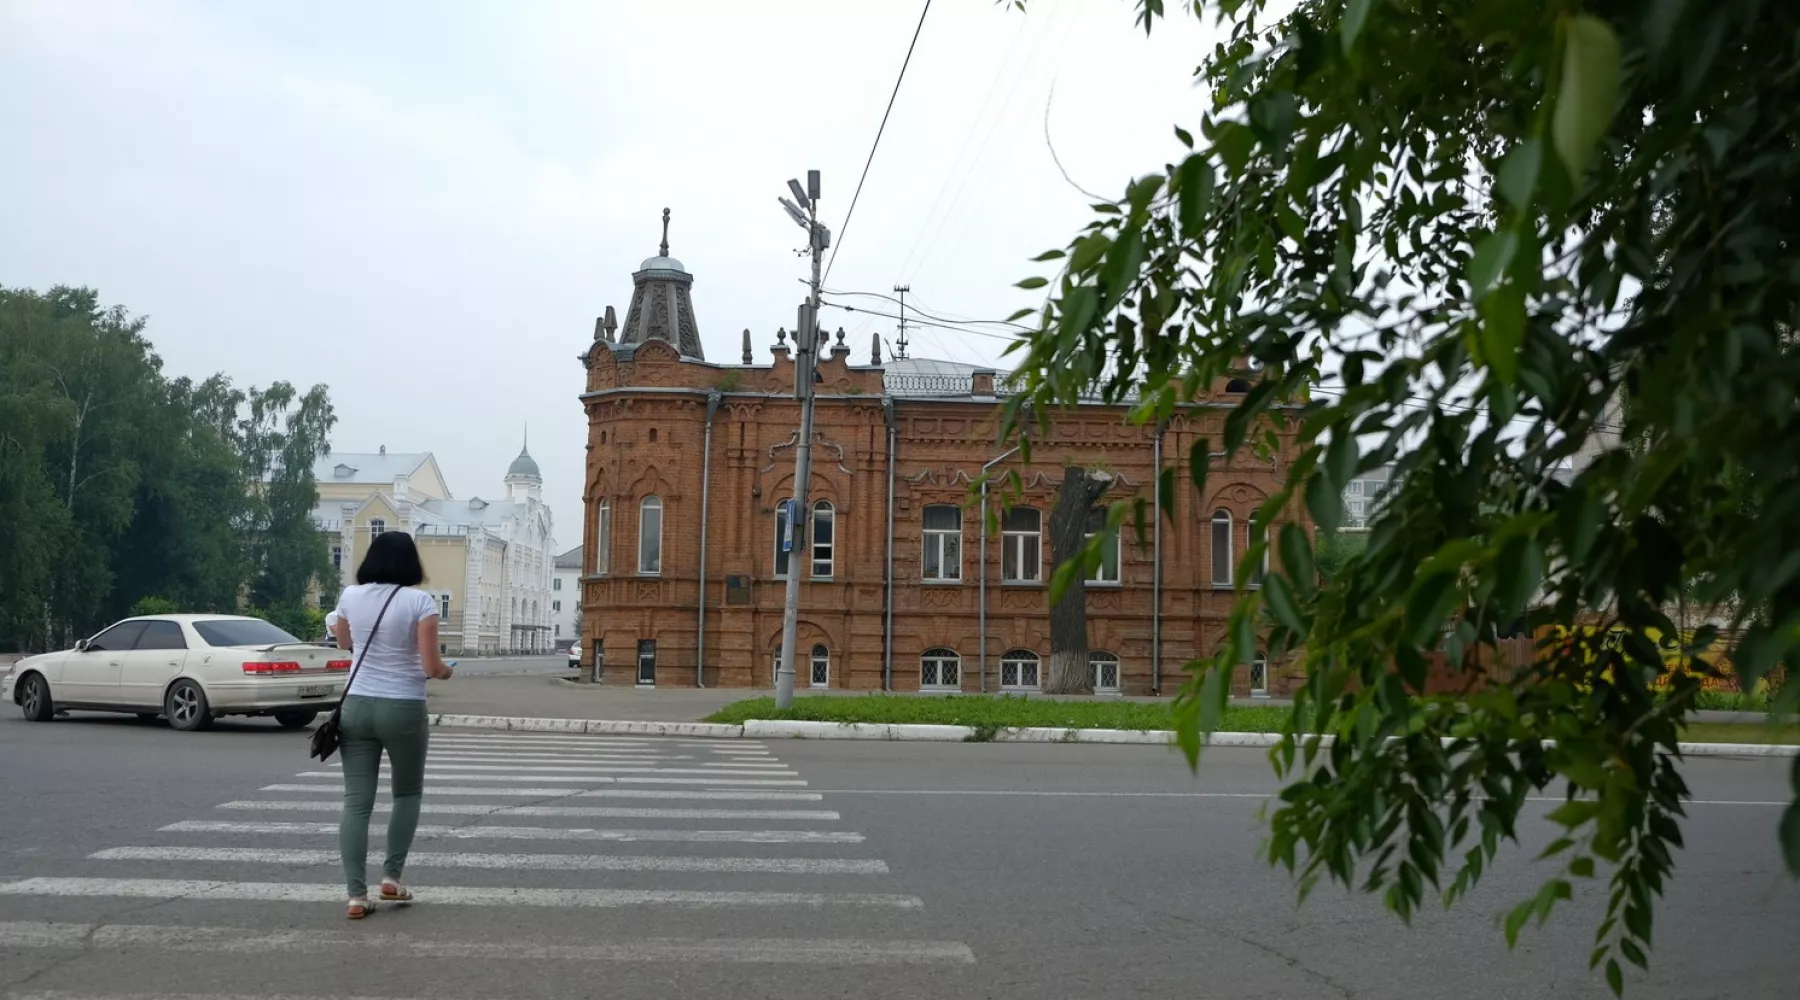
(1324, 503)
(1195, 180)
(1186, 137)
(1019, 315)
(1518, 175)
(1588, 93)
(1049, 255)
(1428, 603)
(1582, 867)
(1356, 14)
(1297, 554)
(1515, 920)
(1615, 977)
(1502, 332)
(1492, 255)
(1281, 601)
(1033, 282)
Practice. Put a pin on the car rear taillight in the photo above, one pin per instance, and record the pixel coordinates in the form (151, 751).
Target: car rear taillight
(261, 669)
(337, 664)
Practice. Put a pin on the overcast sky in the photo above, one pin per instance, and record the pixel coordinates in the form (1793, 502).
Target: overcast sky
(425, 204)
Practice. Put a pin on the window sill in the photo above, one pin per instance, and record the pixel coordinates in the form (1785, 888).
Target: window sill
(941, 583)
(1106, 584)
(1029, 584)
(649, 576)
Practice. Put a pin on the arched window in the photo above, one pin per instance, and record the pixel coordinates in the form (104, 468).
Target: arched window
(377, 526)
(1221, 548)
(1106, 671)
(1259, 676)
(603, 538)
(650, 518)
(1237, 385)
(943, 543)
(821, 667)
(940, 670)
(1022, 545)
(1019, 670)
(783, 557)
(824, 533)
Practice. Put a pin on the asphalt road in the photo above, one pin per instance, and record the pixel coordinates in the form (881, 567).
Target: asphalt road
(139, 861)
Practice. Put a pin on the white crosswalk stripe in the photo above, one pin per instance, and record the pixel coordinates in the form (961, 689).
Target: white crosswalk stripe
(724, 826)
(606, 812)
(693, 794)
(532, 862)
(462, 774)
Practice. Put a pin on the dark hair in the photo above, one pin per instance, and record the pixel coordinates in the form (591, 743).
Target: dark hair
(392, 558)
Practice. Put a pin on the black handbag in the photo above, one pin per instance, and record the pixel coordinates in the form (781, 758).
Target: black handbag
(325, 738)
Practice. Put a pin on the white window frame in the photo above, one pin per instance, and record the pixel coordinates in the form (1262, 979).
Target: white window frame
(938, 660)
(1098, 659)
(1022, 550)
(556, 606)
(780, 571)
(1220, 526)
(645, 506)
(1115, 543)
(603, 539)
(1026, 669)
(377, 526)
(556, 584)
(1259, 675)
(337, 557)
(818, 667)
(935, 539)
(444, 607)
(823, 513)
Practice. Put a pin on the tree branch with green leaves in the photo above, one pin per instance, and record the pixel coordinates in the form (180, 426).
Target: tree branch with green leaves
(1540, 258)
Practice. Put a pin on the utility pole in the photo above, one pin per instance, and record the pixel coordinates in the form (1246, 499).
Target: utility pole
(900, 347)
(799, 514)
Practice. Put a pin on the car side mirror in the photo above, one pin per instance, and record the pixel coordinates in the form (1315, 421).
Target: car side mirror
(81, 646)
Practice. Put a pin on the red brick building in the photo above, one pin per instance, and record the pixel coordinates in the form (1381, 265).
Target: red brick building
(689, 460)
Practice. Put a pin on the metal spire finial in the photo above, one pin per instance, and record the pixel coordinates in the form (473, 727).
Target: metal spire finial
(665, 243)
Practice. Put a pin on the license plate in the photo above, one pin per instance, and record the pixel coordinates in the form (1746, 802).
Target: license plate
(314, 690)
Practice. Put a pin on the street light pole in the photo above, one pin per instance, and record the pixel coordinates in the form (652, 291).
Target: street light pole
(799, 515)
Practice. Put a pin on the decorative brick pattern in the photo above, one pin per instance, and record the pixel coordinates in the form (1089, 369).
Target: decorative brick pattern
(646, 408)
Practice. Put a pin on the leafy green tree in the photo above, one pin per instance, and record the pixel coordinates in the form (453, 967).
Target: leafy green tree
(118, 485)
(1478, 240)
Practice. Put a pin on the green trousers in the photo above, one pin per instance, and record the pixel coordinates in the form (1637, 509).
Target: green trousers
(367, 727)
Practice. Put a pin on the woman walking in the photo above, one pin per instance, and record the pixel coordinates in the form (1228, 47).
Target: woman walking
(392, 628)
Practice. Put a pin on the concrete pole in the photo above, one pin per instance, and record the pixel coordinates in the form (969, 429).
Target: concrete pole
(800, 516)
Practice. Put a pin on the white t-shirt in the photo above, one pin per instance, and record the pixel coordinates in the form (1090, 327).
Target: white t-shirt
(391, 665)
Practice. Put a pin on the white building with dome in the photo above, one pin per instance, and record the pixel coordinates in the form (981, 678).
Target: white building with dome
(489, 562)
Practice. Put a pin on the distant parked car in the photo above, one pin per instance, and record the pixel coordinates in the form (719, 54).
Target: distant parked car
(190, 669)
(575, 655)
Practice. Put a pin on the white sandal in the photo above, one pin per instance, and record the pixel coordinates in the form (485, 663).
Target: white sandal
(393, 892)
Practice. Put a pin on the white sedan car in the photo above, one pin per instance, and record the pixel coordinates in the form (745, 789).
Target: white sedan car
(190, 669)
(575, 655)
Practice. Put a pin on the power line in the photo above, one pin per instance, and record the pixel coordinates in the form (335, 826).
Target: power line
(913, 319)
(914, 310)
(845, 228)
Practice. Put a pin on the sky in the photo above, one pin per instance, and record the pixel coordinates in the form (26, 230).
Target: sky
(424, 204)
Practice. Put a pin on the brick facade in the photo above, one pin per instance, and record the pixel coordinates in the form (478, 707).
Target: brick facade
(647, 409)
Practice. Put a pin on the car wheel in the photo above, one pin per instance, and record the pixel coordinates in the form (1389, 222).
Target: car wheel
(34, 699)
(186, 707)
(295, 720)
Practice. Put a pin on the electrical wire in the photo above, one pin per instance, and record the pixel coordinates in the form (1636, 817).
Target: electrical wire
(838, 244)
(931, 313)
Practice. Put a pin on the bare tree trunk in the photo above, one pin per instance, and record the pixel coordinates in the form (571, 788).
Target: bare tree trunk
(1069, 671)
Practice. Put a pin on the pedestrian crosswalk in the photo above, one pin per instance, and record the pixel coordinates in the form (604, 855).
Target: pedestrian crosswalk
(676, 835)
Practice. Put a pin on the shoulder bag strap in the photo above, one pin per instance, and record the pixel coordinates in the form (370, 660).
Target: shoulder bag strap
(364, 651)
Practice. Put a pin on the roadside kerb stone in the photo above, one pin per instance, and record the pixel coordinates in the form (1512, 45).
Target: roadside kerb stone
(801, 729)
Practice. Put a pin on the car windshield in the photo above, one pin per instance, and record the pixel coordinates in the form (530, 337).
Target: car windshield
(240, 632)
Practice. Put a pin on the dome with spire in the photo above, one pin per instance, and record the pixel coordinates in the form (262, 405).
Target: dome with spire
(524, 465)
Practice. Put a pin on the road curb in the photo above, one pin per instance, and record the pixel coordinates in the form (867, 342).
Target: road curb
(909, 733)
(597, 727)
